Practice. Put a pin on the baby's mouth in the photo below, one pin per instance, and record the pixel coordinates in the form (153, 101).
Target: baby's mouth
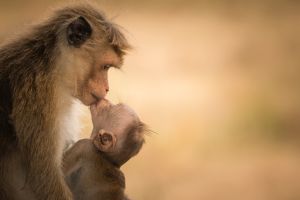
(99, 104)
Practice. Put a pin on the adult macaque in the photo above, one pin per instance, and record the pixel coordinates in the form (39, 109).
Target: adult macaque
(42, 73)
(92, 165)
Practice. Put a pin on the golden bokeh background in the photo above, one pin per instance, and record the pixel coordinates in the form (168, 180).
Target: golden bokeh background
(219, 84)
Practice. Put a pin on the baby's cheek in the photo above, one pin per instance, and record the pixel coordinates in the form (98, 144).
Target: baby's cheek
(99, 124)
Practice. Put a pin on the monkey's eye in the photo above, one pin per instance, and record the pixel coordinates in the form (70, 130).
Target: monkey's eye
(106, 67)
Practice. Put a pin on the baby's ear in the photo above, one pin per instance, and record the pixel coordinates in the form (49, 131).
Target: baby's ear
(105, 141)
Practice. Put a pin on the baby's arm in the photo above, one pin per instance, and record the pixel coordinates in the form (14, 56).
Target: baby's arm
(90, 176)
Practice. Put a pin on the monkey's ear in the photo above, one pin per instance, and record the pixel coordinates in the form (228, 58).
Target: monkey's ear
(78, 32)
(105, 141)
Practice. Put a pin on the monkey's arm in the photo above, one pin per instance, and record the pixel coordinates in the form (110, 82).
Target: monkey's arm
(73, 155)
(73, 163)
(90, 176)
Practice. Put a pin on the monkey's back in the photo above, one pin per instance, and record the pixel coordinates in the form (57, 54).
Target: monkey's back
(20, 61)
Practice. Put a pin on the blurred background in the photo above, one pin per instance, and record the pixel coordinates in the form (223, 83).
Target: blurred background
(219, 84)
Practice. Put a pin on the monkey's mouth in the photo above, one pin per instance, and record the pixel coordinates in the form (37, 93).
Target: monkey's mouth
(97, 99)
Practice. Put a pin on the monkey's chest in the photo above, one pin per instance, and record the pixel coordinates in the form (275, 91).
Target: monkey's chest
(70, 126)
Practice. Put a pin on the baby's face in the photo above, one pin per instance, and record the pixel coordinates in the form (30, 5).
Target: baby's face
(113, 118)
(117, 130)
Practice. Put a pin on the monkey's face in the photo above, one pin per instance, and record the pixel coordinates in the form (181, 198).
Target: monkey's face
(117, 131)
(114, 118)
(95, 86)
(89, 58)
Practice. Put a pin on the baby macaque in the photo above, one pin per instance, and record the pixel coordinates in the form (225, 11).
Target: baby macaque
(92, 166)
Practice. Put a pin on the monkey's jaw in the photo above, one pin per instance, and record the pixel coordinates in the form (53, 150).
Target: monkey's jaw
(86, 99)
(96, 97)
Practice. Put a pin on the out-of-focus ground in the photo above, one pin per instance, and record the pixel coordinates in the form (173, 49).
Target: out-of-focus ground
(219, 83)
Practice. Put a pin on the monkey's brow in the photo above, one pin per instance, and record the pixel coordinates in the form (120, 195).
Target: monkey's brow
(116, 62)
(117, 66)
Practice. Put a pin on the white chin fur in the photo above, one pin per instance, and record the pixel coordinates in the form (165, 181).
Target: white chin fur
(71, 125)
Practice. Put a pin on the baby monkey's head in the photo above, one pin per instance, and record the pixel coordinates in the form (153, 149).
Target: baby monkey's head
(118, 131)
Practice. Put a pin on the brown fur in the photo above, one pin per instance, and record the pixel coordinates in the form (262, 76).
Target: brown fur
(90, 175)
(123, 126)
(40, 74)
(92, 172)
